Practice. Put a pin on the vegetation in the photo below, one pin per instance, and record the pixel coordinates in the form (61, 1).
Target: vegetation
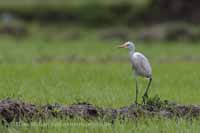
(88, 13)
(39, 71)
(140, 126)
(46, 62)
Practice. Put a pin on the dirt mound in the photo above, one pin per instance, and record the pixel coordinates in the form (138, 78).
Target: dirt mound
(12, 110)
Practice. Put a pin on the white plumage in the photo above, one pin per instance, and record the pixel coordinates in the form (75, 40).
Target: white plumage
(141, 64)
(141, 67)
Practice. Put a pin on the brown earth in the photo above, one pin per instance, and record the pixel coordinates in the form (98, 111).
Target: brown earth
(15, 111)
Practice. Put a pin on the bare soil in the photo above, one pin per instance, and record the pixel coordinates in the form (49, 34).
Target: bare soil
(15, 110)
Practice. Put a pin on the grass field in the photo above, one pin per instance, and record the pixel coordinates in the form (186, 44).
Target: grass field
(40, 71)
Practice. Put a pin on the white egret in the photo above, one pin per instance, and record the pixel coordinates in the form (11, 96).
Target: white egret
(141, 67)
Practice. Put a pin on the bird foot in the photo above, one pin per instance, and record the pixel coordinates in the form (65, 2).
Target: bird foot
(136, 103)
(144, 98)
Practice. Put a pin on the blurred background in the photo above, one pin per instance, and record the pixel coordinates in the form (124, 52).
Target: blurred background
(74, 39)
(94, 22)
(144, 20)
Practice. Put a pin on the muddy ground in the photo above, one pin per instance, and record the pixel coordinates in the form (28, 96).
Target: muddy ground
(16, 111)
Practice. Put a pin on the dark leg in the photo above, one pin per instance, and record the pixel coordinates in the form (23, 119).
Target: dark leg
(136, 85)
(145, 96)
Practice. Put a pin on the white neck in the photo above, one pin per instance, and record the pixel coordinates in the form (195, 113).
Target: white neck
(132, 50)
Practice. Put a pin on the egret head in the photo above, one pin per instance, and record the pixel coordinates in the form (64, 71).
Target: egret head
(129, 45)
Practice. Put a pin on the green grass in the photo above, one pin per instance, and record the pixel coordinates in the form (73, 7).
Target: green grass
(90, 49)
(90, 70)
(155, 125)
(100, 84)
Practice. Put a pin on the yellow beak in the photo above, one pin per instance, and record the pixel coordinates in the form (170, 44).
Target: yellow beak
(122, 46)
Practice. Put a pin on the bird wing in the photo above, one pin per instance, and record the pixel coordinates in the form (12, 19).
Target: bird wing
(141, 65)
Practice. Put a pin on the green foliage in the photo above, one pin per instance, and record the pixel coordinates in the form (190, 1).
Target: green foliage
(88, 13)
(158, 103)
